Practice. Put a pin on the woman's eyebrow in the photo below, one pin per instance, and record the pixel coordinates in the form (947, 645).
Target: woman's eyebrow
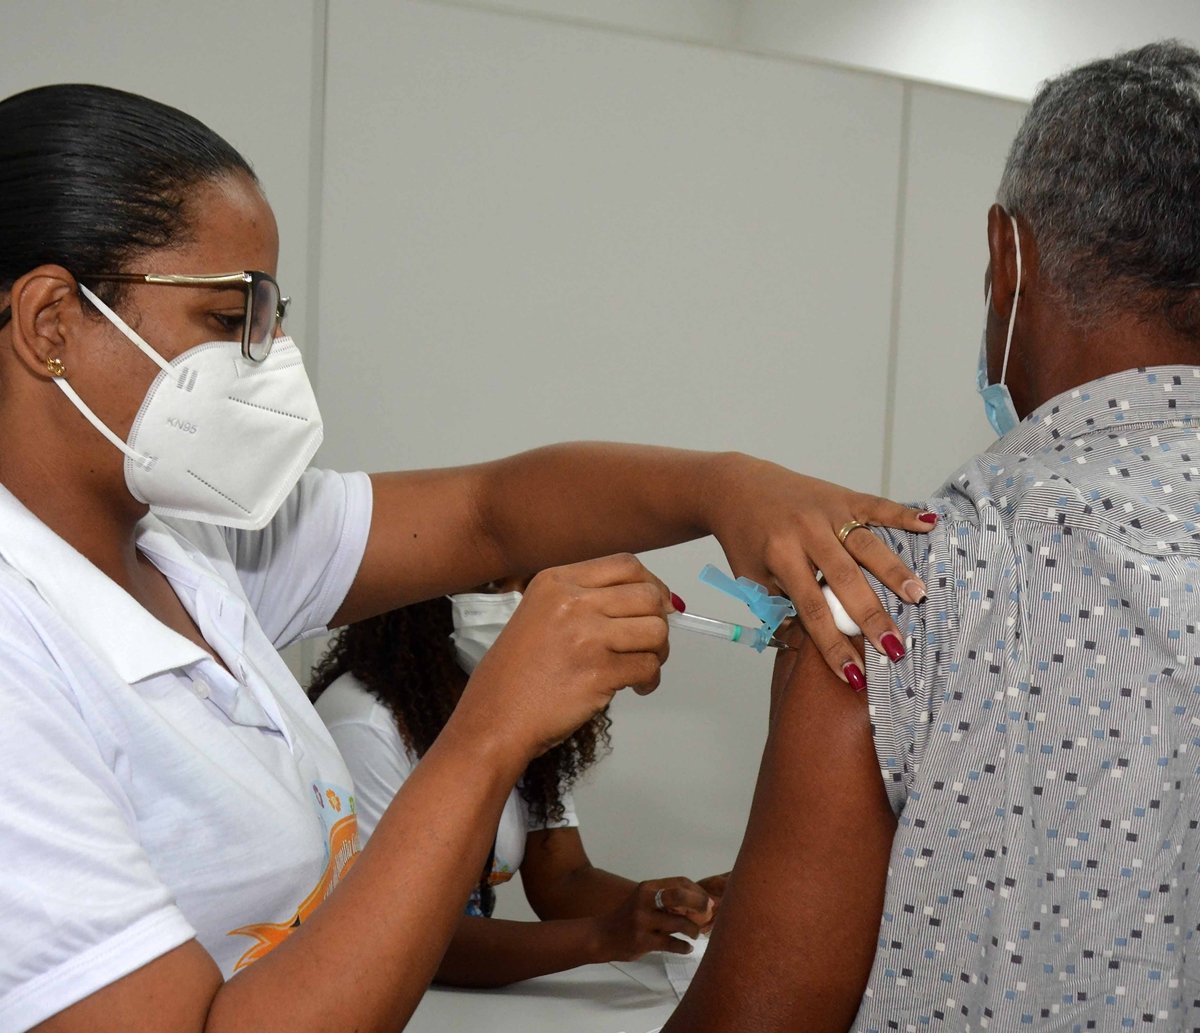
(216, 292)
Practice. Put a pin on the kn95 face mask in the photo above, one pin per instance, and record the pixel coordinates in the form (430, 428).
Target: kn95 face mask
(219, 438)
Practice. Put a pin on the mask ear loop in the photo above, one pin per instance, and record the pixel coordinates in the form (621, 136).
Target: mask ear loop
(162, 363)
(146, 462)
(1012, 317)
(94, 420)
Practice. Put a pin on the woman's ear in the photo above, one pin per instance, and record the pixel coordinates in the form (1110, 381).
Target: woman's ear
(47, 316)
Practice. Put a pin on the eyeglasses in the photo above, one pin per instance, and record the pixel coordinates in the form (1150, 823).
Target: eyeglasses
(265, 306)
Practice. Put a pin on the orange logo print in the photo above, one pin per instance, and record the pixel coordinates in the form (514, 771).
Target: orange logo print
(334, 800)
(343, 849)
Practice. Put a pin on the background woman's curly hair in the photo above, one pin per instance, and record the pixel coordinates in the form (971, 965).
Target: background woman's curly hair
(406, 660)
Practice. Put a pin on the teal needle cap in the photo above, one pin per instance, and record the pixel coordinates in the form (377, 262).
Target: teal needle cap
(771, 610)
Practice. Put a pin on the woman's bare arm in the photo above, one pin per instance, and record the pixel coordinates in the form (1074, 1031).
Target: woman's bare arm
(589, 915)
(491, 952)
(387, 923)
(439, 531)
(560, 880)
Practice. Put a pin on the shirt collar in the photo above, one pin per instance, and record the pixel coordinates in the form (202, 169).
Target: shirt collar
(1165, 396)
(115, 626)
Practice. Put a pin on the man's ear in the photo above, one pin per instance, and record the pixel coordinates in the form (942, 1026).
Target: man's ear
(47, 316)
(1002, 250)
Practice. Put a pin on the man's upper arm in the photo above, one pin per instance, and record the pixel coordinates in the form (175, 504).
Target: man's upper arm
(798, 926)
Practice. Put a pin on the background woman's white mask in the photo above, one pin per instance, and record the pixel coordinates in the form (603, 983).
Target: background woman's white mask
(479, 617)
(218, 438)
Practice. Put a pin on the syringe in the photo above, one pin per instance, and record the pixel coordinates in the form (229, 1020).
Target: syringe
(757, 638)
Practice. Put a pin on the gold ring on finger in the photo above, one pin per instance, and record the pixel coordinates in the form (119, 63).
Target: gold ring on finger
(847, 527)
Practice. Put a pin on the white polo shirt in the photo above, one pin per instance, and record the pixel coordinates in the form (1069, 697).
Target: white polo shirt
(148, 795)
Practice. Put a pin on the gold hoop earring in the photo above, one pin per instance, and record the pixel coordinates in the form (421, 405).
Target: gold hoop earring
(55, 367)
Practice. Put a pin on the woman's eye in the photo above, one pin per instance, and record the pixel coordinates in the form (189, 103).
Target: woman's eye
(229, 324)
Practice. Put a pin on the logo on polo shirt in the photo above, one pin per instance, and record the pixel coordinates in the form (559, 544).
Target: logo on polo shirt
(341, 852)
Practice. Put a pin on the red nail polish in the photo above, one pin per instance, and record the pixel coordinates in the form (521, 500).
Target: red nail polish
(854, 676)
(678, 603)
(892, 646)
(927, 518)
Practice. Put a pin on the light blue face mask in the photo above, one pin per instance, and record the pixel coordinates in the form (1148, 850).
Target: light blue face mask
(997, 401)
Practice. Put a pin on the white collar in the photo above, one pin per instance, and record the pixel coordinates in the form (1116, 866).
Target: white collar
(116, 627)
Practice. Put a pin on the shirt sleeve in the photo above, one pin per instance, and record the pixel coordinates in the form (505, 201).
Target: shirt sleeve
(904, 698)
(80, 905)
(297, 570)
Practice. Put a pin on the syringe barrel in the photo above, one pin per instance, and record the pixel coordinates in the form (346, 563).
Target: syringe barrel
(713, 628)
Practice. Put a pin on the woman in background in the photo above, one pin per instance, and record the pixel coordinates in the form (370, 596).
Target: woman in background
(385, 689)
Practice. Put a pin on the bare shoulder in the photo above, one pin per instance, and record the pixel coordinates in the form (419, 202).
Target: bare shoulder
(795, 938)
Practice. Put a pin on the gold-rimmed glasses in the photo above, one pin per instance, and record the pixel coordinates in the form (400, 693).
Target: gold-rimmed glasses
(265, 305)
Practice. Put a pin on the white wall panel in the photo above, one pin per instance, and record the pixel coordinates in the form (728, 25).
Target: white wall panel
(535, 232)
(957, 144)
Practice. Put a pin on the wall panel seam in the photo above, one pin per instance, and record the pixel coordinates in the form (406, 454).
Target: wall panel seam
(893, 360)
(316, 208)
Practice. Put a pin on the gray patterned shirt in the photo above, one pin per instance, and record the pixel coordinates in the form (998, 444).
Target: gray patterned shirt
(1037, 741)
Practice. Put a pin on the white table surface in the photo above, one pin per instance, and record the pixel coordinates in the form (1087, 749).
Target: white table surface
(625, 997)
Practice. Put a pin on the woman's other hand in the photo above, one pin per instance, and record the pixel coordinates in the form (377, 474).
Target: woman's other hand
(779, 527)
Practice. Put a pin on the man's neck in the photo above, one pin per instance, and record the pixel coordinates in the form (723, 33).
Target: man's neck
(1074, 356)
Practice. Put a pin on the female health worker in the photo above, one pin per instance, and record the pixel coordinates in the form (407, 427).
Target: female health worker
(179, 848)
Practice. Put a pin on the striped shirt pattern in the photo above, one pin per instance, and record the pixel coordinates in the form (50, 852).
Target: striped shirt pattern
(1040, 740)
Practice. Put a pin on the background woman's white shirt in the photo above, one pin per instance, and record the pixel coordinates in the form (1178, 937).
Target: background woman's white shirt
(150, 795)
(379, 762)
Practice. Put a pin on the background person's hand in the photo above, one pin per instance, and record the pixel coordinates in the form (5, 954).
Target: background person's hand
(639, 926)
(581, 633)
(779, 527)
(714, 886)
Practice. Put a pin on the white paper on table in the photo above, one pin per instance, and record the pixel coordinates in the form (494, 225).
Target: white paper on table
(682, 967)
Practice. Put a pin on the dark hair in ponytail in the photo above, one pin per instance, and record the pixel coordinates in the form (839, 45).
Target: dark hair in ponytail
(90, 176)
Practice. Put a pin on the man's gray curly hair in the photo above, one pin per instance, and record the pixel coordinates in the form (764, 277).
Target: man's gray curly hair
(1106, 171)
